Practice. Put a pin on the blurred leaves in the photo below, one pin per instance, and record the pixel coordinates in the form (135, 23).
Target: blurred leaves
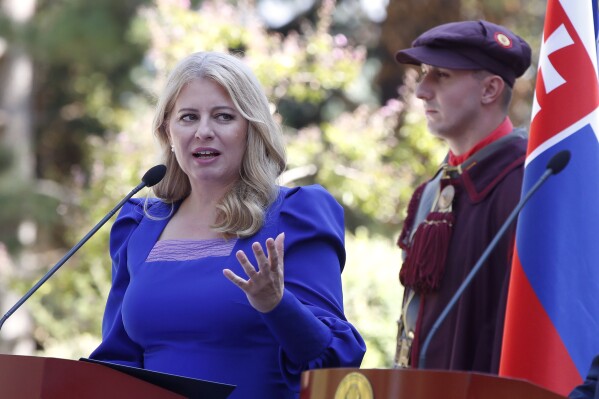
(301, 66)
(372, 294)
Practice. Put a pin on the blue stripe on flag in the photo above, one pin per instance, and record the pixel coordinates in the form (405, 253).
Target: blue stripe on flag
(595, 19)
(558, 241)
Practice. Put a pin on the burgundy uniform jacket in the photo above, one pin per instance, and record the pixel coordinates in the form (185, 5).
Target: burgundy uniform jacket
(470, 338)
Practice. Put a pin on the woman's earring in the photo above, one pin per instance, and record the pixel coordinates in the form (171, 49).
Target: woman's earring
(172, 148)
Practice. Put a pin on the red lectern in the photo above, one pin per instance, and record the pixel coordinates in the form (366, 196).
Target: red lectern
(30, 377)
(415, 384)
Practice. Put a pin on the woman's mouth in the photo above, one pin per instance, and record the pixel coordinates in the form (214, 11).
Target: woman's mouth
(205, 154)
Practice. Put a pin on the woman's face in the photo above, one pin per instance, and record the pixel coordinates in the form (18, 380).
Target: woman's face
(208, 133)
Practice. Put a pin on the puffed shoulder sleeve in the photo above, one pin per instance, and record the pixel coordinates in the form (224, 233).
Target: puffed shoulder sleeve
(309, 322)
(116, 346)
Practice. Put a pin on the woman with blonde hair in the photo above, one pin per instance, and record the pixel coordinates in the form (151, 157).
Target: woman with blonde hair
(194, 292)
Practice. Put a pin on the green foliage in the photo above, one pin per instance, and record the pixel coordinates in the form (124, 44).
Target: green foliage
(19, 202)
(371, 164)
(302, 66)
(88, 34)
(372, 294)
(84, 52)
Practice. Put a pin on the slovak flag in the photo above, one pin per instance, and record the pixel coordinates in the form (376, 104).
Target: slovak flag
(552, 322)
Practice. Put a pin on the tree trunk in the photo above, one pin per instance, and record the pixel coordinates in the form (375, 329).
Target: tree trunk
(16, 137)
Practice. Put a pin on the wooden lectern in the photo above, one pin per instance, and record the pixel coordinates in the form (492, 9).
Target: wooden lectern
(346, 383)
(30, 377)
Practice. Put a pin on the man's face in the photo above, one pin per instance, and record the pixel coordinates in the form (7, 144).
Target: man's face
(452, 101)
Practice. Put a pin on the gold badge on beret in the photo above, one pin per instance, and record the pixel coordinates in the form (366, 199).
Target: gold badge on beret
(354, 386)
(503, 40)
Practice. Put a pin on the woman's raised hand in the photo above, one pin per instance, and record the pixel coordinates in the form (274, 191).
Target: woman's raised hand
(264, 286)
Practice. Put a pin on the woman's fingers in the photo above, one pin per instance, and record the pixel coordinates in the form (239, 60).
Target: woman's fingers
(273, 256)
(235, 279)
(266, 263)
(246, 264)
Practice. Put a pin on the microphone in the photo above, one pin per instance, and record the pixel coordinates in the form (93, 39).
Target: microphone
(555, 165)
(149, 179)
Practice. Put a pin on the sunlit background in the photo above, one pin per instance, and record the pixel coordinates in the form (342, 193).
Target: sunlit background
(78, 81)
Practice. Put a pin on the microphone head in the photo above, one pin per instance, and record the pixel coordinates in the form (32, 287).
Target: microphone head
(154, 175)
(558, 162)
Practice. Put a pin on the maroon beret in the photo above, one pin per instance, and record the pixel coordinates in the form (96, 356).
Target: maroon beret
(470, 45)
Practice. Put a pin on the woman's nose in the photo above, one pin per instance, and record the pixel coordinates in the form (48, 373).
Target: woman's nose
(204, 131)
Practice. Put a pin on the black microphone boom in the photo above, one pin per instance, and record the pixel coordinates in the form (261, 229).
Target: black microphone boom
(150, 178)
(555, 165)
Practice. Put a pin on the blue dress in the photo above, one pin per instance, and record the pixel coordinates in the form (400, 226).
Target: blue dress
(187, 318)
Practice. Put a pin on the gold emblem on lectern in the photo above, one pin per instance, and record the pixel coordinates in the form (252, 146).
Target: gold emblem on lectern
(354, 386)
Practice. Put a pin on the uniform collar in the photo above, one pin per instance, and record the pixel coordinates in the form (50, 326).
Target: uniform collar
(502, 130)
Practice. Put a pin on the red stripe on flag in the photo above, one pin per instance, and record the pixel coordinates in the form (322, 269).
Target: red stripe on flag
(532, 348)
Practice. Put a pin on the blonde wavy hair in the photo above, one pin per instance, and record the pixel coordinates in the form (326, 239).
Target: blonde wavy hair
(241, 211)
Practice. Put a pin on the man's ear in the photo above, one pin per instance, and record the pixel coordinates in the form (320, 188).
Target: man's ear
(492, 89)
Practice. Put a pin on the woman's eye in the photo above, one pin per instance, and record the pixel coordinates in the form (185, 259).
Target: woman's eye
(225, 117)
(188, 117)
